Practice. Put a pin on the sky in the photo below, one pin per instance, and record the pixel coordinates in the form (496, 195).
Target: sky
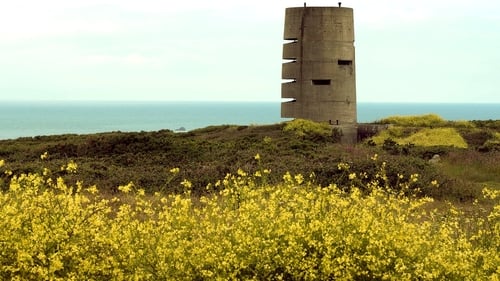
(220, 50)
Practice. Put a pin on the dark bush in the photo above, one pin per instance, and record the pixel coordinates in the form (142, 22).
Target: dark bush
(476, 138)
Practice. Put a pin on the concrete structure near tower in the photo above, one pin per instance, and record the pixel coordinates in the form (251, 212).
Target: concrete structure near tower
(319, 68)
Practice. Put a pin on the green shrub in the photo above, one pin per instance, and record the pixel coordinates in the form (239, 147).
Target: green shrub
(421, 137)
(461, 124)
(496, 137)
(308, 129)
(428, 120)
(436, 136)
(393, 132)
(491, 124)
(476, 137)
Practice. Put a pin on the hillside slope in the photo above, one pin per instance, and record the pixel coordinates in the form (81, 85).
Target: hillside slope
(207, 155)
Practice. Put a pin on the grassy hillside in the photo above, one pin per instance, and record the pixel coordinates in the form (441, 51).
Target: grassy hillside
(207, 155)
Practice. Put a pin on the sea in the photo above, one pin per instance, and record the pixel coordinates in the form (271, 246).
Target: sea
(30, 119)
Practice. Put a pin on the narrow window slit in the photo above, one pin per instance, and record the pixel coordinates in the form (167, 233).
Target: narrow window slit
(345, 62)
(321, 81)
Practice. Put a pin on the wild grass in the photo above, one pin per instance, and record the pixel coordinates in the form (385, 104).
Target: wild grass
(472, 166)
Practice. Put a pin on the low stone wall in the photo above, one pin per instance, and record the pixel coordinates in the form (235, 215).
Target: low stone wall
(351, 134)
(369, 130)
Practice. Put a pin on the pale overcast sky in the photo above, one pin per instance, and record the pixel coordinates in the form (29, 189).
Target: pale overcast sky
(406, 51)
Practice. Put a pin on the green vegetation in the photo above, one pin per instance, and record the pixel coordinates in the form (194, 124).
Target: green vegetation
(283, 201)
(432, 130)
(243, 229)
(205, 155)
(423, 137)
(428, 120)
(309, 129)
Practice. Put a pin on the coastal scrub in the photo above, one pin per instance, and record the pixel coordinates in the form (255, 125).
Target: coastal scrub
(243, 229)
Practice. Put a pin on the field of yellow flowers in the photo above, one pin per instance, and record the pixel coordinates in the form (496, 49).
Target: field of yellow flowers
(242, 229)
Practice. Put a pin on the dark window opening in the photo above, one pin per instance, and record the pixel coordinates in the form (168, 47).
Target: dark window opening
(321, 81)
(345, 62)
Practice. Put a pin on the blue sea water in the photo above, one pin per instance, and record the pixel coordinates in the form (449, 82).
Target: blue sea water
(28, 119)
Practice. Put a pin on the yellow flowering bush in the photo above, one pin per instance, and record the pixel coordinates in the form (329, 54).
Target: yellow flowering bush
(422, 137)
(426, 120)
(308, 129)
(436, 136)
(243, 229)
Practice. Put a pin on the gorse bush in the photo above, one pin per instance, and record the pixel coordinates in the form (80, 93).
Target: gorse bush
(494, 143)
(243, 229)
(427, 120)
(435, 137)
(432, 130)
(309, 129)
(422, 137)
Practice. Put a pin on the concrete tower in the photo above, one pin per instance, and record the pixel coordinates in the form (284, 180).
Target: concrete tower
(320, 67)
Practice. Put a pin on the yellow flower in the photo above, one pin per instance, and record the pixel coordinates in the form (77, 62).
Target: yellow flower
(70, 167)
(126, 188)
(343, 166)
(44, 156)
(241, 173)
(299, 178)
(55, 263)
(2, 162)
(174, 170)
(435, 183)
(287, 178)
(374, 157)
(489, 193)
(351, 235)
(93, 189)
(187, 184)
(257, 157)
(414, 177)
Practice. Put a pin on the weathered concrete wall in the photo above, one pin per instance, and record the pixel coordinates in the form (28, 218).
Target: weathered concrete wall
(320, 66)
(348, 133)
(369, 130)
